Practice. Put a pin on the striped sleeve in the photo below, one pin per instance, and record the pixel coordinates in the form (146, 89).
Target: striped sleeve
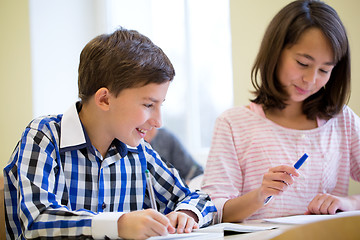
(34, 171)
(222, 163)
(173, 195)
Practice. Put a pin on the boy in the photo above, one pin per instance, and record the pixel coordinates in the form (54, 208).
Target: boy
(82, 174)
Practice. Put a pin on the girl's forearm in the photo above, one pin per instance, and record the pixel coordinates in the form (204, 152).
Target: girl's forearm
(242, 207)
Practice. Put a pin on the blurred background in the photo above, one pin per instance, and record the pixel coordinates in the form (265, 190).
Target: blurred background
(211, 43)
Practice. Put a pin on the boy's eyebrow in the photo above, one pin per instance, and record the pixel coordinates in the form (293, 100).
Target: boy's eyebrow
(312, 59)
(152, 99)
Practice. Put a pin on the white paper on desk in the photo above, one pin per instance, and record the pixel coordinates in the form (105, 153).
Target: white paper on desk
(192, 236)
(215, 231)
(234, 227)
(303, 219)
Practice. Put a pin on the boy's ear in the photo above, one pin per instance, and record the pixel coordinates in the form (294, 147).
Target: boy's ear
(102, 96)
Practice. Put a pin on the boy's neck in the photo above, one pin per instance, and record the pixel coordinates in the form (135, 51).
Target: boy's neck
(92, 121)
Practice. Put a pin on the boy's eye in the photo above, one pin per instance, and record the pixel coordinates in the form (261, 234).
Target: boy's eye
(148, 105)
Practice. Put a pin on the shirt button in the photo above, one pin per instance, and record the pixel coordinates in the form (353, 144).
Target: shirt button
(103, 206)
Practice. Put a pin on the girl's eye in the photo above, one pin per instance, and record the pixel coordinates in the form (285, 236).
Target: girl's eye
(302, 64)
(324, 71)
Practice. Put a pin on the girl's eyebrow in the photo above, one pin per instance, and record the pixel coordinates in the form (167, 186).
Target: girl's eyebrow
(313, 59)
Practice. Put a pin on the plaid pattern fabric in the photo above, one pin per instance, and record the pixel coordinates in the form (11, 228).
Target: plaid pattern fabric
(52, 191)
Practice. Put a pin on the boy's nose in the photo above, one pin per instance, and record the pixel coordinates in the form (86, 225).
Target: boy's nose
(156, 120)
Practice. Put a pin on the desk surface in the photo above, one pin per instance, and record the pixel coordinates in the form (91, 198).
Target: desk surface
(343, 225)
(260, 235)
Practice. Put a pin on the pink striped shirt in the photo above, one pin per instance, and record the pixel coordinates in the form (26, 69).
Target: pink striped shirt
(245, 145)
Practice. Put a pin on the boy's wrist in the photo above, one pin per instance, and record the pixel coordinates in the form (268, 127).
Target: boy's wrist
(105, 224)
(191, 214)
(189, 208)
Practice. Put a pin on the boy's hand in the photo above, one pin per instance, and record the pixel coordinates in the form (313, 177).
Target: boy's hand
(184, 221)
(143, 224)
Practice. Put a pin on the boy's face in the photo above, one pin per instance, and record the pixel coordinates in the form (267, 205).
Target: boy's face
(135, 111)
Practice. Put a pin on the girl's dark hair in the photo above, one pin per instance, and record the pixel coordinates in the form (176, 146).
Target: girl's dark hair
(283, 31)
(123, 59)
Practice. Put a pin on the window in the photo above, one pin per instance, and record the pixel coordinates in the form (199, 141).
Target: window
(194, 34)
(196, 37)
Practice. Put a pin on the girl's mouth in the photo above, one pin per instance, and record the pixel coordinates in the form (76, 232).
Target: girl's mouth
(302, 91)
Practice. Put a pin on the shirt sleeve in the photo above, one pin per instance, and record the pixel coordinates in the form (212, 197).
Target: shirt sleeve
(222, 178)
(104, 225)
(33, 192)
(355, 146)
(173, 195)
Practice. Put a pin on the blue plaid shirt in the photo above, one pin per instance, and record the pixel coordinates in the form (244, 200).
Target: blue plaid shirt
(58, 185)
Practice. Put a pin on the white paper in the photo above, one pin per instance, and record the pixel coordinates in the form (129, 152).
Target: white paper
(192, 236)
(235, 227)
(303, 219)
(215, 231)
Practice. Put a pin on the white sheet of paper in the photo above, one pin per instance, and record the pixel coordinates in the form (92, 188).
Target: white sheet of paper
(235, 227)
(192, 236)
(303, 219)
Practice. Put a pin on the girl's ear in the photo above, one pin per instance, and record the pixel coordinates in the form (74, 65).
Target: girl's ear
(102, 98)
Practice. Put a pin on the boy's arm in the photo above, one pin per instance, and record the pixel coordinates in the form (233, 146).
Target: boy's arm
(200, 204)
(34, 192)
(173, 195)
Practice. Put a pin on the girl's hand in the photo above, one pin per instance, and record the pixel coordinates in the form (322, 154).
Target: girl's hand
(329, 204)
(184, 221)
(276, 181)
(143, 224)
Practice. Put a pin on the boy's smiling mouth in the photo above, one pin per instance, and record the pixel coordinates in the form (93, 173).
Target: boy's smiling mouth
(142, 132)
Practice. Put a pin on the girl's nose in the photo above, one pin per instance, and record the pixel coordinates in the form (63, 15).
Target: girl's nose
(310, 76)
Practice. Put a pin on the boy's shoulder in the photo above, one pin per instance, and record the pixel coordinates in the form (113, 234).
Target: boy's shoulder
(46, 123)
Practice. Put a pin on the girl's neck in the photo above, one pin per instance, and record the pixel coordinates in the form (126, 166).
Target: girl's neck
(292, 117)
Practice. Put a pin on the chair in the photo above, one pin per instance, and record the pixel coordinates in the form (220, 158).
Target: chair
(2, 210)
(344, 228)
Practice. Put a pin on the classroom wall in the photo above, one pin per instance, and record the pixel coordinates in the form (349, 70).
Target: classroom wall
(249, 20)
(17, 60)
(15, 75)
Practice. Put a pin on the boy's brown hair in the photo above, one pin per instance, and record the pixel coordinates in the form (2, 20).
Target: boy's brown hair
(284, 31)
(120, 60)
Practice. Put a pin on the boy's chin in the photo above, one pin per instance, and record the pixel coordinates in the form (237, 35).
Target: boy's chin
(132, 143)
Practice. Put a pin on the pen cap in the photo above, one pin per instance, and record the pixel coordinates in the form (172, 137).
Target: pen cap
(301, 161)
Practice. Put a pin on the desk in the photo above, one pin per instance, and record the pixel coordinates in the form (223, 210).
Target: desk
(261, 235)
(344, 225)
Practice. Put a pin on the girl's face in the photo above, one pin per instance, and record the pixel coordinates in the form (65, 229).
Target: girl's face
(305, 67)
(135, 111)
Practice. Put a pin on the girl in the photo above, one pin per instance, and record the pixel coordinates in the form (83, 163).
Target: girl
(301, 78)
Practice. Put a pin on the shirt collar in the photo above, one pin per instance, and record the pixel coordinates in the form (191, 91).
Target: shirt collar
(73, 135)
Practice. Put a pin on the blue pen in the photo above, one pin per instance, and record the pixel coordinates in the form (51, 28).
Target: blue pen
(296, 166)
